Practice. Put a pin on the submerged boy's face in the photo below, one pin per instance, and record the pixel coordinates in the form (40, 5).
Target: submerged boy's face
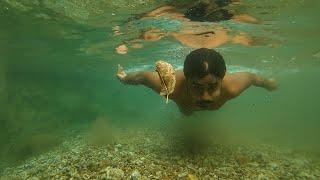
(205, 91)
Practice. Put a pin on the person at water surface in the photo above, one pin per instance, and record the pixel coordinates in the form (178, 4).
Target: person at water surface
(203, 84)
(196, 26)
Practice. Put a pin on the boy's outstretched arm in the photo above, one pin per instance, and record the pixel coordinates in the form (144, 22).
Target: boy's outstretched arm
(238, 82)
(147, 78)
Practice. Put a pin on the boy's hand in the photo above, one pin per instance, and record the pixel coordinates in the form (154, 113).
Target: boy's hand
(121, 74)
(271, 85)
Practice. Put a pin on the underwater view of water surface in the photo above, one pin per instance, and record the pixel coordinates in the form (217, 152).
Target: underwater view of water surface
(65, 115)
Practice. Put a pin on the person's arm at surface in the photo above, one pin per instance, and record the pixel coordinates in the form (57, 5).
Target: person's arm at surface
(245, 18)
(239, 82)
(146, 78)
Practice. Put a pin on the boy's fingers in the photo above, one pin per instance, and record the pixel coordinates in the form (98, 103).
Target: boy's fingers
(120, 68)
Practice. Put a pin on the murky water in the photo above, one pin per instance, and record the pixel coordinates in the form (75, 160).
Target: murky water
(58, 64)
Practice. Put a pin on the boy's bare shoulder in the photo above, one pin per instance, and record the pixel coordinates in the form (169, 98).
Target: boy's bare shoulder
(228, 83)
(230, 78)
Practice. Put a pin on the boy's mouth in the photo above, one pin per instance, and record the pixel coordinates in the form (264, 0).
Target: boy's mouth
(204, 104)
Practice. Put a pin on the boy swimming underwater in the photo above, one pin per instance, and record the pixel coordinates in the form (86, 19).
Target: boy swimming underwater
(203, 84)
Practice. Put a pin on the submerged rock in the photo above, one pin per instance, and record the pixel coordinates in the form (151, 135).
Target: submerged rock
(114, 173)
(181, 175)
(317, 55)
(273, 166)
(192, 177)
(135, 175)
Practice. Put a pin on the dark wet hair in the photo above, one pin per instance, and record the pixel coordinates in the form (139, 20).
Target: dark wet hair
(222, 3)
(202, 62)
(211, 11)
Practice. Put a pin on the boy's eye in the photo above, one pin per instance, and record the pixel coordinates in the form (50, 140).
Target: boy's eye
(212, 87)
(195, 85)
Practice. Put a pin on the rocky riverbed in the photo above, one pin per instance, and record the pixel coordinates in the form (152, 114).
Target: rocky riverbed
(155, 155)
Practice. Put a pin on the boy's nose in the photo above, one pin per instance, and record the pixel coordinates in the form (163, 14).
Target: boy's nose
(206, 96)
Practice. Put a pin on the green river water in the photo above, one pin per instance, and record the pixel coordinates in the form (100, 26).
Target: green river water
(58, 65)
